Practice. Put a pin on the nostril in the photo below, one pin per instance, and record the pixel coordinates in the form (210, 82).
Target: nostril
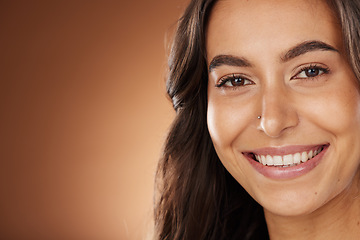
(271, 126)
(276, 126)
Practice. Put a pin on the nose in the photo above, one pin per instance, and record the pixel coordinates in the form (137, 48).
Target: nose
(278, 113)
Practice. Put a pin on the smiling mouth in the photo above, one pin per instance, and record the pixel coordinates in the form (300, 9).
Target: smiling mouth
(287, 160)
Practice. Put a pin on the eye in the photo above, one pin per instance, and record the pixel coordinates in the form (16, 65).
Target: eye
(234, 81)
(311, 71)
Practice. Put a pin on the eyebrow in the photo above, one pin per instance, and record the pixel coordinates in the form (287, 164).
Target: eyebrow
(228, 60)
(305, 47)
(300, 49)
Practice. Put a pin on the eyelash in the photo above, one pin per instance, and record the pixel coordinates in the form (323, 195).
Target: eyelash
(322, 70)
(227, 79)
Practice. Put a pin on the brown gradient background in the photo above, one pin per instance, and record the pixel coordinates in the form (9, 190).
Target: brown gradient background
(83, 116)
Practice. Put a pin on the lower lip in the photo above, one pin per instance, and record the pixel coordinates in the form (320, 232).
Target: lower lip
(276, 172)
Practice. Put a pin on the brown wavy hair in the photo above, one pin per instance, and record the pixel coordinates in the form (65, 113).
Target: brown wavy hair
(196, 198)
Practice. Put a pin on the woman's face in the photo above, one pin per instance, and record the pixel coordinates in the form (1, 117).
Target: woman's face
(284, 61)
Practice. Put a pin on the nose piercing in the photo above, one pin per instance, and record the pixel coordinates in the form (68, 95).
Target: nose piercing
(259, 117)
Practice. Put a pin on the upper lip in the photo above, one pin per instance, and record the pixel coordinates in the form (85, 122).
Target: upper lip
(284, 150)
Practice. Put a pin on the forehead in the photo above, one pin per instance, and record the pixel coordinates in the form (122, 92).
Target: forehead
(244, 25)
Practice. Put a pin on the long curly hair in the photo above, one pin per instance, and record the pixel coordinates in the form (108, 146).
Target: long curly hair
(196, 198)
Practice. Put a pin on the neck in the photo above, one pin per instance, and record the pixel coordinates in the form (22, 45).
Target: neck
(337, 219)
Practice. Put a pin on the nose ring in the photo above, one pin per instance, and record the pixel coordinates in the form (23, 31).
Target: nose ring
(259, 117)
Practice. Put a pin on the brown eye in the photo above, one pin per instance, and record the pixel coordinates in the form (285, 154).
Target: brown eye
(234, 81)
(237, 81)
(312, 72)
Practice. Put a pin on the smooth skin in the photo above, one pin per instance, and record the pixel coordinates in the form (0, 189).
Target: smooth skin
(311, 98)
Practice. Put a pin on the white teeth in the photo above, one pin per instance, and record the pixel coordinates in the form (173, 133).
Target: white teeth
(310, 154)
(269, 160)
(297, 157)
(278, 160)
(287, 160)
(304, 157)
(263, 159)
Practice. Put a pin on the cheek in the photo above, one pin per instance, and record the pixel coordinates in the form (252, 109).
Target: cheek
(218, 125)
(338, 112)
(341, 117)
(228, 120)
(228, 125)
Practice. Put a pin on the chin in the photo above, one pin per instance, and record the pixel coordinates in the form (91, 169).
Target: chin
(291, 209)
